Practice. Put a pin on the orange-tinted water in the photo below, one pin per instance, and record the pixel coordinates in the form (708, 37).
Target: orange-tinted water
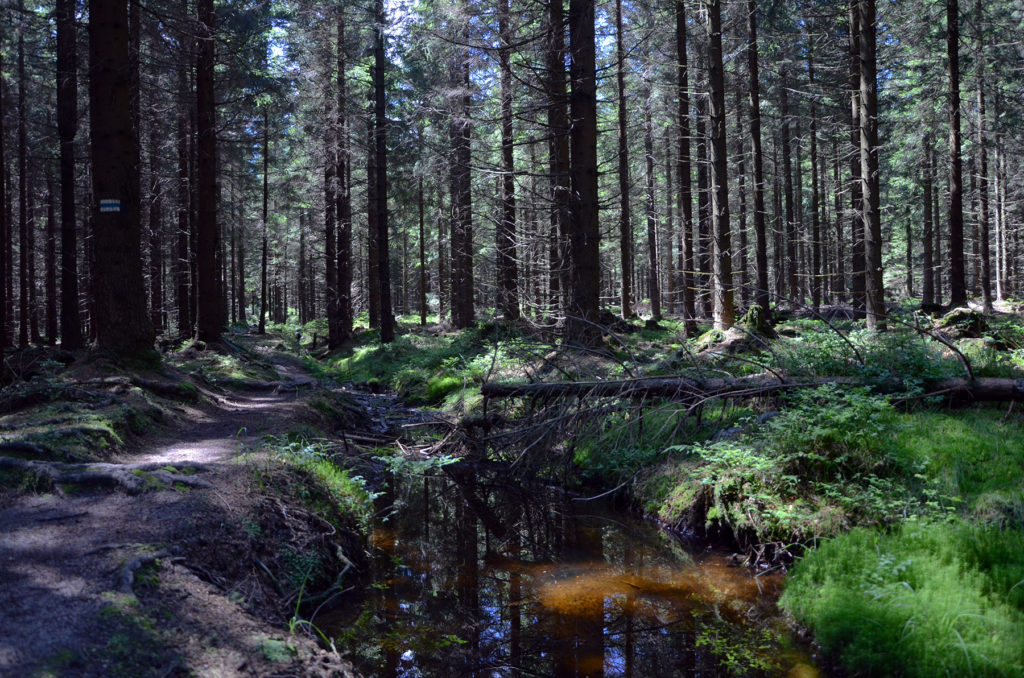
(537, 586)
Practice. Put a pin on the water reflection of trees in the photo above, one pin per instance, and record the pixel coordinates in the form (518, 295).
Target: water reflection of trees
(464, 568)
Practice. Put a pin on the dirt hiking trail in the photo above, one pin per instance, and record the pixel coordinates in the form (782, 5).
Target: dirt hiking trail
(101, 582)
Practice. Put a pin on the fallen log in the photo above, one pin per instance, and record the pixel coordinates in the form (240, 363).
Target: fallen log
(983, 389)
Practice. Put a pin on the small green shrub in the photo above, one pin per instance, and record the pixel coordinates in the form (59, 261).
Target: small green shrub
(927, 600)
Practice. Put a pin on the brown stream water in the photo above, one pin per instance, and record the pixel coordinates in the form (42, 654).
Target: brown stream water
(484, 578)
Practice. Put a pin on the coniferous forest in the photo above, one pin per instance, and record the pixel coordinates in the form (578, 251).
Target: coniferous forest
(548, 337)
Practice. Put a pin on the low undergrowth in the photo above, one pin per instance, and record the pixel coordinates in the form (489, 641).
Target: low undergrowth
(825, 464)
(935, 599)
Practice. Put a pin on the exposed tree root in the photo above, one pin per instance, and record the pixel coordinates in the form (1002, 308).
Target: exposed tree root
(132, 478)
(126, 577)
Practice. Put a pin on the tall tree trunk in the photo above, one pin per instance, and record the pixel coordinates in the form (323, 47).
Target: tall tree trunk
(741, 190)
(387, 318)
(670, 227)
(156, 256)
(703, 250)
(558, 158)
(584, 231)
(625, 221)
(793, 289)
(5, 221)
(121, 321)
(51, 259)
(344, 194)
(423, 255)
(182, 266)
(372, 257)
(23, 247)
(262, 326)
(839, 286)
(761, 240)
(334, 337)
(957, 274)
(462, 200)
(67, 128)
(857, 286)
(508, 274)
(927, 284)
(983, 212)
(816, 273)
(874, 291)
(685, 205)
(209, 321)
(652, 214)
(724, 312)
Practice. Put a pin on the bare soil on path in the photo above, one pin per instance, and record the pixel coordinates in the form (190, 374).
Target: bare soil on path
(98, 582)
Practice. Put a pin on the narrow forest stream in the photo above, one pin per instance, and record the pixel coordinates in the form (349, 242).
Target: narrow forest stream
(487, 578)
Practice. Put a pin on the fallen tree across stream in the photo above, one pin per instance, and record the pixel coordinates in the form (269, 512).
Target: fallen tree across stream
(981, 389)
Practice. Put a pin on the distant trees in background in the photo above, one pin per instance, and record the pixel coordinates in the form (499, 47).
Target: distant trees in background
(287, 161)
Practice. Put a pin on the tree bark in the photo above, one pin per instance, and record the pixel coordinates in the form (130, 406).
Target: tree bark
(874, 292)
(344, 195)
(387, 318)
(508, 274)
(652, 214)
(584, 231)
(857, 286)
(23, 246)
(983, 212)
(51, 259)
(121, 321)
(463, 312)
(625, 221)
(331, 208)
(67, 128)
(558, 159)
(816, 274)
(957, 274)
(209, 320)
(761, 240)
(927, 284)
(262, 326)
(685, 205)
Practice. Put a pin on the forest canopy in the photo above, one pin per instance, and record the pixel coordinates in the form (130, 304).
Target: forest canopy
(178, 167)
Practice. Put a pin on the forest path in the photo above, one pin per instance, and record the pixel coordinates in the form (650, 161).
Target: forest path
(68, 561)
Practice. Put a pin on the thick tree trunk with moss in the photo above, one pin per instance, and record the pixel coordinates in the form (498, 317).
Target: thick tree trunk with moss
(724, 311)
(871, 195)
(957, 274)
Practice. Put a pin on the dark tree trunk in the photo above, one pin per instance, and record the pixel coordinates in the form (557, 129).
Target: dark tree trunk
(5, 223)
(793, 289)
(874, 291)
(344, 195)
(209, 321)
(558, 158)
(121, 321)
(334, 337)
(23, 247)
(67, 128)
(927, 284)
(652, 215)
(508, 274)
(724, 312)
(423, 254)
(156, 256)
(685, 205)
(761, 241)
(462, 200)
(387, 319)
(584, 232)
(983, 211)
(373, 259)
(262, 327)
(741, 190)
(957, 275)
(816, 273)
(625, 221)
(858, 272)
(51, 259)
